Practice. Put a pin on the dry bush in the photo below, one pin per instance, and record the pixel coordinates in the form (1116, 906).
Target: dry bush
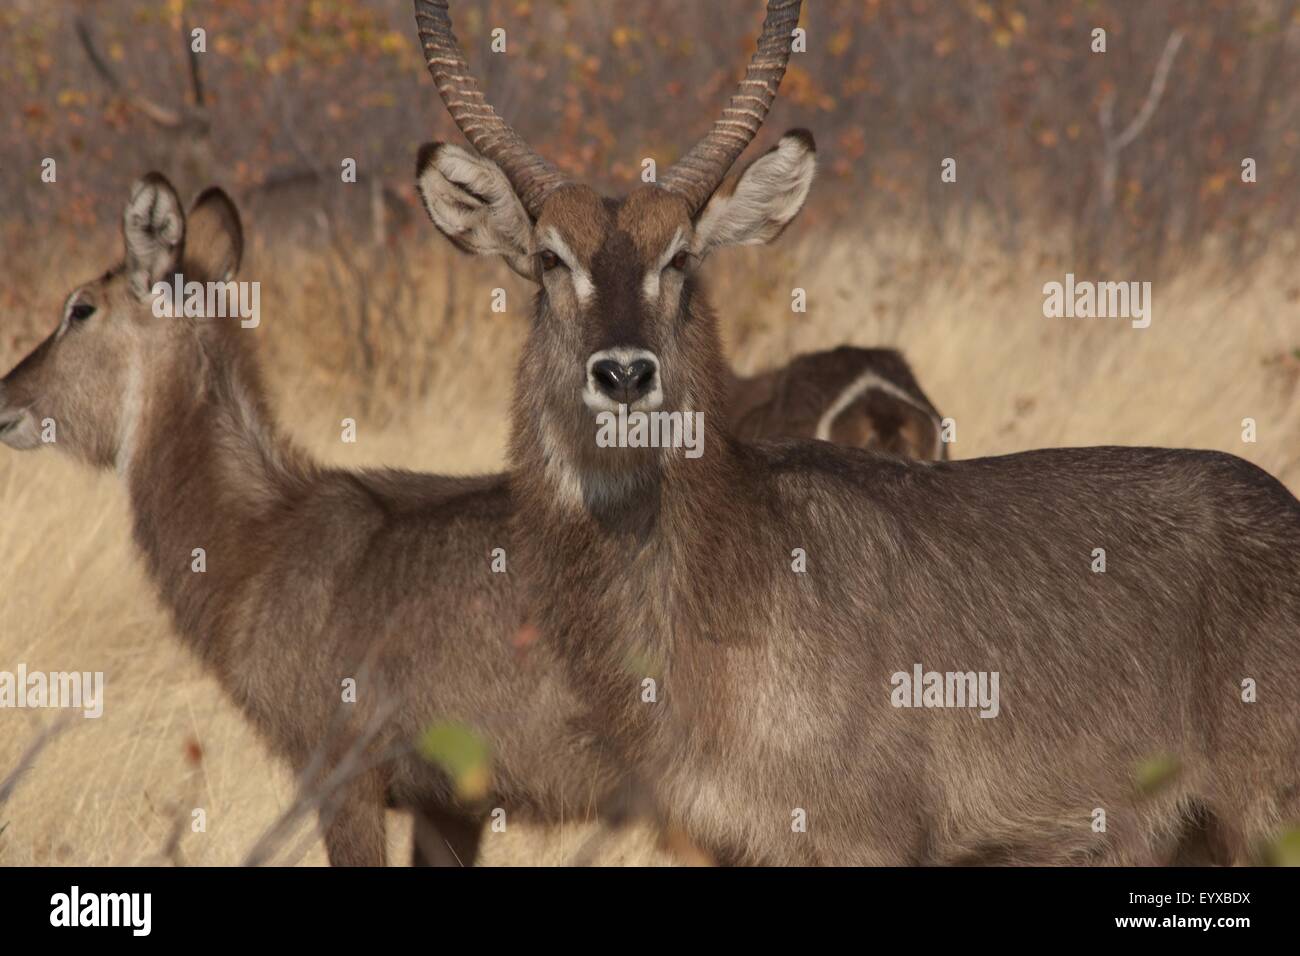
(1009, 88)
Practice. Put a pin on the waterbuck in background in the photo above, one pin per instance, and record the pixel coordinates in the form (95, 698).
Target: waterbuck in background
(861, 398)
(792, 642)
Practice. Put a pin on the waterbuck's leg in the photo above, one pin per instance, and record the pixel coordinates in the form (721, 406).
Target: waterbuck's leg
(445, 837)
(354, 825)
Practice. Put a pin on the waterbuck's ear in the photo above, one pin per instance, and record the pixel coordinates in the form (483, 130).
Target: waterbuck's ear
(214, 238)
(471, 202)
(757, 204)
(153, 230)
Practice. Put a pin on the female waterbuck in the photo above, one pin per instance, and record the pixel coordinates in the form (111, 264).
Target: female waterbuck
(307, 577)
(817, 654)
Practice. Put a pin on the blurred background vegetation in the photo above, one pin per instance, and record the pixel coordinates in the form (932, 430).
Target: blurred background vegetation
(1009, 88)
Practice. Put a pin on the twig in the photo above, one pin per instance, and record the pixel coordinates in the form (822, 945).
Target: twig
(319, 794)
(43, 740)
(1113, 145)
(168, 118)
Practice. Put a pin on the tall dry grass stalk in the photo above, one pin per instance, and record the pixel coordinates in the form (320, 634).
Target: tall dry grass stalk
(73, 597)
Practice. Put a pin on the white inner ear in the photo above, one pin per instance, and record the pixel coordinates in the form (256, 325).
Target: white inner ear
(767, 196)
(154, 227)
(855, 390)
(68, 303)
(494, 224)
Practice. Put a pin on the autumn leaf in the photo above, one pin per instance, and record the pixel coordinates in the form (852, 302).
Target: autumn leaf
(394, 42)
(1213, 185)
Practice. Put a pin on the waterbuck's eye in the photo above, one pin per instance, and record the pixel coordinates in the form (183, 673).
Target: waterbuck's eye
(681, 261)
(548, 259)
(81, 312)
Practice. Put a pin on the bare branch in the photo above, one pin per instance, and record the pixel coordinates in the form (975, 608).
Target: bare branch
(43, 740)
(170, 119)
(196, 80)
(1113, 145)
(1157, 90)
(327, 774)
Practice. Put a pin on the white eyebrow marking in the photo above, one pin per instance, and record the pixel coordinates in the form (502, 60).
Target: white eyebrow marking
(67, 309)
(582, 284)
(650, 284)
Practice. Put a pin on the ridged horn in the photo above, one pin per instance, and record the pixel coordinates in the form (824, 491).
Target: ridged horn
(697, 174)
(532, 177)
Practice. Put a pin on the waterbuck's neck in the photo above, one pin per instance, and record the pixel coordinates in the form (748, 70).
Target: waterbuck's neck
(206, 470)
(612, 538)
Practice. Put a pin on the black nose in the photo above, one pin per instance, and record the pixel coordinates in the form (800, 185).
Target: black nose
(624, 383)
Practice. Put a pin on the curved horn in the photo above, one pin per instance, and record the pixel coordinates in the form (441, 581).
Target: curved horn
(532, 177)
(697, 174)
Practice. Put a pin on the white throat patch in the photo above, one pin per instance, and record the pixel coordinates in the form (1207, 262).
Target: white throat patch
(132, 409)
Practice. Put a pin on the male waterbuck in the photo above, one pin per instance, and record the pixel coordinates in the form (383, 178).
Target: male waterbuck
(861, 397)
(852, 396)
(310, 575)
(822, 655)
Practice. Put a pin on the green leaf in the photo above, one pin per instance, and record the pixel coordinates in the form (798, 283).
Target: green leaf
(1155, 773)
(1285, 850)
(464, 756)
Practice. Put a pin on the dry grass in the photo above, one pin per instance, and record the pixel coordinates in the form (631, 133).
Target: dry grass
(73, 597)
